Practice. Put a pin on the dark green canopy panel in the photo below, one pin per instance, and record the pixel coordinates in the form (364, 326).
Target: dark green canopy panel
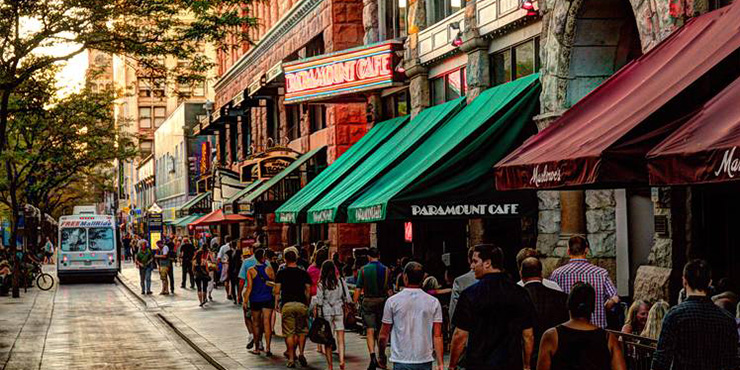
(294, 209)
(450, 174)
(332, 205)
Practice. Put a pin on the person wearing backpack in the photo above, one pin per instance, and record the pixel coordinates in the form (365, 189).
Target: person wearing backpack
(260, 279)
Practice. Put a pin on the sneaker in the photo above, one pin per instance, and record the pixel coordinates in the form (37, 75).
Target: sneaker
(250, 344)
(302, 360)
(149, 292)
(143, 292)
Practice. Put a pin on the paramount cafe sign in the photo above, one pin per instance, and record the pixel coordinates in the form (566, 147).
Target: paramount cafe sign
(464, 210)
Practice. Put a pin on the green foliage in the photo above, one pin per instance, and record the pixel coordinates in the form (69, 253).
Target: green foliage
(144, 30)
(56, 144)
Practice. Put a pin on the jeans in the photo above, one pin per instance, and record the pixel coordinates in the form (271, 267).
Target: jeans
(424, 366)
(187, 269)
(145, 276)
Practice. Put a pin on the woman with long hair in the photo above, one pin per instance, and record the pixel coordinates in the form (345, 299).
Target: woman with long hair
(578, 344)
(654, 323)
(200, 268)
(637, 315)
(331, 294)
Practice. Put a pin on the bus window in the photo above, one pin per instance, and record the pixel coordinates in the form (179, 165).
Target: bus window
(74, 239)
(101, 239)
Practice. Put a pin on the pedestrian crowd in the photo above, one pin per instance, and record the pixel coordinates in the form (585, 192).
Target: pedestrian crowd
(491, 321)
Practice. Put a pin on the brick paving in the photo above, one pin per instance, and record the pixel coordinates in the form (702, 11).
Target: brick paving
(219, 328)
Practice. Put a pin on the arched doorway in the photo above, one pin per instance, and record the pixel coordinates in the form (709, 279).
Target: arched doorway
(605, 38)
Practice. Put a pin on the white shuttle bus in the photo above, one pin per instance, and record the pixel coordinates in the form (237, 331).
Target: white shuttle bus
(87, 247)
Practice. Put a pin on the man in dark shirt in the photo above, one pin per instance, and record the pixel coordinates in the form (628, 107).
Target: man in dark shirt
(696, 334)
(187, 251)
(292, 290)
(495, 317)
(550, 305)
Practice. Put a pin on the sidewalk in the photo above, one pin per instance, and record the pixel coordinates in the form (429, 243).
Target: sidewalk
(218, 328)
(24, 323)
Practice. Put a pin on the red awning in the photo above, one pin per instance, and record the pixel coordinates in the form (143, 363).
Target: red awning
(218, 217)
(704, 149)
(594, 142)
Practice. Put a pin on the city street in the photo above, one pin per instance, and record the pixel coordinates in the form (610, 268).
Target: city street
(85, 326)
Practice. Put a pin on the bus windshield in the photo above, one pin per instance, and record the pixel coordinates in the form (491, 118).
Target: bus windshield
(101, 238)
(74, 239)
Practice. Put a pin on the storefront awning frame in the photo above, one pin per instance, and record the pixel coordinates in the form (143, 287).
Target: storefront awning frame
(451, 170)
(331, 207)
(294, 210)
(589, 145)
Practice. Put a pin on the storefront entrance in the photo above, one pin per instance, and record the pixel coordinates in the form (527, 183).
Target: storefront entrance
(715, 237)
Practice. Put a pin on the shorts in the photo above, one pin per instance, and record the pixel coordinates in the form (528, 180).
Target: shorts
(422, 366)
(295, 319)
(336, 321)
(372, 312)
(201, 283)
(261, 305)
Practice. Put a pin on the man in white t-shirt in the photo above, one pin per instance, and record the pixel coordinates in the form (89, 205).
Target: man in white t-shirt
(413, 319)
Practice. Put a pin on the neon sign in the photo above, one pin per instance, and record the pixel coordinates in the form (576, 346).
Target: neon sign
(341, 73)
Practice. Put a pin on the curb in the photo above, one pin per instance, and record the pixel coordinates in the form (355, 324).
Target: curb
(174, 328)
(141, 299)
(184, 337)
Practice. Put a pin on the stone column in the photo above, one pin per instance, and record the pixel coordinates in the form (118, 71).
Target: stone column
(370, 21)
(418, 89)
(572, 215)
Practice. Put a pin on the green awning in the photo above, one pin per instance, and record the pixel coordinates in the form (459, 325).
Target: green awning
(253, 185)
(452, 167)
(194, 201)
(294, 209)
(176, 221)
(331, 206)
(267, 185)
(184, 221)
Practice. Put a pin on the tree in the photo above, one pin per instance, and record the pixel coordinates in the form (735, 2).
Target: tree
(144, 30)
(54, 144)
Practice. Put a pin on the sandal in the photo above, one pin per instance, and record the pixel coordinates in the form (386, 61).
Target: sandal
(255, 352)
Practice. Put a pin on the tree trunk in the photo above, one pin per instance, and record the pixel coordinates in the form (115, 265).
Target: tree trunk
(4, 103)
(14, 216)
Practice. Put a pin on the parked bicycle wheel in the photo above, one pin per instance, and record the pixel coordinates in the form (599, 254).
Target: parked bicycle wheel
(44, 281)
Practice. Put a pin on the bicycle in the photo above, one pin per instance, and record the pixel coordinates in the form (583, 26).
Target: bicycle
(44, 281)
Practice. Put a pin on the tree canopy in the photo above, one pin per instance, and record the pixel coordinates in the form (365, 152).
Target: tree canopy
(144, 30)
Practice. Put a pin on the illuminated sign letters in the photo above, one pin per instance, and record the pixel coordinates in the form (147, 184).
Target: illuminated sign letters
(340, 73)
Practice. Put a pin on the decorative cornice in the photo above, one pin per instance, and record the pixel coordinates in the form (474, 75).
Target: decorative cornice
(296, 14)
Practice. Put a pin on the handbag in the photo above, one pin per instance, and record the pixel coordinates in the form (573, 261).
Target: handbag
(277, 323)
(320, 332)
(348, 309)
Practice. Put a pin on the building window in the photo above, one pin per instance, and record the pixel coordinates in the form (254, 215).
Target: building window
(293, 120)
(515, 62)
(145, 117)
(145, 146)
(246, 129)
(199, 89)
(233, 137)
(450, 86)
(438, 10)
(317, 117)
(315, 47)
(151, 87)
(393, 15)
(160, 115)
(395, 105)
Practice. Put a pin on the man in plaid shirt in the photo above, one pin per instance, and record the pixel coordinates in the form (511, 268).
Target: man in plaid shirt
(579, 269)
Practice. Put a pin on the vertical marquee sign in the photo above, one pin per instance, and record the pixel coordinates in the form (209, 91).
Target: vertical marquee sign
(344, 72)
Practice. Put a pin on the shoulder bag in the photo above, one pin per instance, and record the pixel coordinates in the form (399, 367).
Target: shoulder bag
(348, 308)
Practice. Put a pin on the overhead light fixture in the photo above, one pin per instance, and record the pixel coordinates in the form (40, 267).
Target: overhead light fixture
(528, 5)
(400, 69)
(402, 3)
(455, 34)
